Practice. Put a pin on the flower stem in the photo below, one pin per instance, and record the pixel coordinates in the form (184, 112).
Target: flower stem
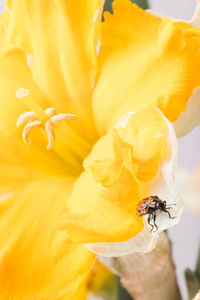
(122, 293)
(193, 279)
(197, 270)
(148, 276)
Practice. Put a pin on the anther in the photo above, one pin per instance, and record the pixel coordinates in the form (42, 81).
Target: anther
(32, 121)
(28, 116)
(54, 120)
(27, 130)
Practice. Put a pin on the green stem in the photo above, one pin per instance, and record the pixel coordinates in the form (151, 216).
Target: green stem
(193, 279)
(122, 294)
(142, 3)
(197, 270)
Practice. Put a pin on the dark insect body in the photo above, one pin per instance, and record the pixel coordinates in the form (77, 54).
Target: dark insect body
(149, 206)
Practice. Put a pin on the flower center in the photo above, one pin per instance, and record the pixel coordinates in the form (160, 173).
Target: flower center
(31, 120)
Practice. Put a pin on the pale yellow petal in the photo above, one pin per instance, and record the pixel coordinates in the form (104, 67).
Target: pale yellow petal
(94, 215)
(121, 170)
(189, 185)
(71, 142)
(164, 185)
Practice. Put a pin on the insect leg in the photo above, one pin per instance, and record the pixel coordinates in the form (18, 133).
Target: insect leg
(154, 220)
(169, 214)
(170, 206)
(149, 219)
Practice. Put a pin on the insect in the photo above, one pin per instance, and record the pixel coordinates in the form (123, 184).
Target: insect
(149, 206)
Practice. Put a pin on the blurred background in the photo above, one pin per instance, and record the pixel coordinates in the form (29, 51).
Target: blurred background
(186, 236)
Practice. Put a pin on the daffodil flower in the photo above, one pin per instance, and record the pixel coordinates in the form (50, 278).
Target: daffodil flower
(99, 281)
(86, 133)
(37, 260)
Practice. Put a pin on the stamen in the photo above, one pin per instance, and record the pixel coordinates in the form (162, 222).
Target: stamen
(27, 130)
(28, 116)
(54, 120)
(60, 117)
(33, 121)
(50, 134)
(22, 92)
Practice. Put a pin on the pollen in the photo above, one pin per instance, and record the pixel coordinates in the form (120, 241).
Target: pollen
(31, 120)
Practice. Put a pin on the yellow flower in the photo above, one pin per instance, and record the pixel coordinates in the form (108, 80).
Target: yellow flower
(146, 61)
(82, 138)
(37, 261)
(189, 118)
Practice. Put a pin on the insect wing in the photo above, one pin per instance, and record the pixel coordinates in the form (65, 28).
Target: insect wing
(142, 207)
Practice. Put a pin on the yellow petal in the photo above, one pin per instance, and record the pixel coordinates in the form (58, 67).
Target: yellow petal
(71, 142)
(15, 74)
(19, 162)
(145, 62)
(5, 46)
(36, 260)
(61, 37)
(189, 118)
(118, 172)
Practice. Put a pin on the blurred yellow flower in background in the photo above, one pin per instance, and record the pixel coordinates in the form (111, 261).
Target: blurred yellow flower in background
(100, 282)
(85, 136)
(189, 185)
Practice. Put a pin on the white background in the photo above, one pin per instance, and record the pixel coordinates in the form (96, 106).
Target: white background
(186, 236)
